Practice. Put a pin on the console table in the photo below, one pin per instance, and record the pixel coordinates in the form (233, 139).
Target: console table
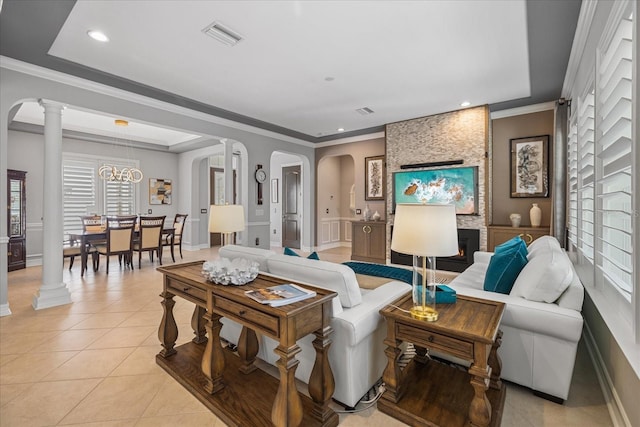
(230, 385)
(428, 392)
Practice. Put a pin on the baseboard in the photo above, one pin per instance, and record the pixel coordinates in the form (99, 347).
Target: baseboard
(614, 405)
(332, 245)
(34, 260)
(4, 310)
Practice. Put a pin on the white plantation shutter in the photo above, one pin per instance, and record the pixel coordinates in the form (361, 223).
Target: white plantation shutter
(586, 173)
(86, 193)
(79, 192)
(119, 198)
(614, 151)
(572, 169)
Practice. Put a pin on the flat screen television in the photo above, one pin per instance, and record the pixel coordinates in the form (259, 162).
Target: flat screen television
(458, 186)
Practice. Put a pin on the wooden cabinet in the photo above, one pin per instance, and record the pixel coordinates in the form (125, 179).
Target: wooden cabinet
(369, 241)
(501, 233)
(16, 219)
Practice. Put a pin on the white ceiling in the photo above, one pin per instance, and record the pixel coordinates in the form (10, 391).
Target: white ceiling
(402, 59)
(101, 124)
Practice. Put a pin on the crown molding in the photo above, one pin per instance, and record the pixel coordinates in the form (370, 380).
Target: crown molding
(351, 139)
(527, 109)
(58, 77)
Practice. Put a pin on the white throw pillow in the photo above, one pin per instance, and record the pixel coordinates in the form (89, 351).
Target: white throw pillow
(542, 245)
(545, 277)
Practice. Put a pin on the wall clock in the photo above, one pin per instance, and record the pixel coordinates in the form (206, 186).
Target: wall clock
(261, 177)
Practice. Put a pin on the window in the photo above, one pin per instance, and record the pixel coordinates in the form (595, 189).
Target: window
(586, 169)
(614, 151)
(85, 193)
(572, 170)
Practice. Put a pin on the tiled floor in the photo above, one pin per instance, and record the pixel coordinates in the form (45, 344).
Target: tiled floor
(93, 362)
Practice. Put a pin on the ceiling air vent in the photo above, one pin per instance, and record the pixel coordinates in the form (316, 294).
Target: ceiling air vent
(365, 110)
(223, 34)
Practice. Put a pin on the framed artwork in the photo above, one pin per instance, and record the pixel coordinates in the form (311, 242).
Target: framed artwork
(374, 178)
(159, 191)
(274, 190)
(457, 186)
(530, 166)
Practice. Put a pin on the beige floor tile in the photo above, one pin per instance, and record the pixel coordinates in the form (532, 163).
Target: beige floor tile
(124, 337)
(32, 367)
(117, 423)
(8, 392)
(117, 398)
(46, 403)
(141, 362)
(200, 419)
(90, 364)
(77, 339)
(172, 398)
(11, 343)
(103, 320)
(144, 318)
(6, 358)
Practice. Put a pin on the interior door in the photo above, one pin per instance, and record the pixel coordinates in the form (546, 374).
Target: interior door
(291, 206)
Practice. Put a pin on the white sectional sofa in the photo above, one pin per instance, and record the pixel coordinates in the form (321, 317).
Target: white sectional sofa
(357, 351)
(541, 329)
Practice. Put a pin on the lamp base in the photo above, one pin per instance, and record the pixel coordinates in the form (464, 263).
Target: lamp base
(424, 313)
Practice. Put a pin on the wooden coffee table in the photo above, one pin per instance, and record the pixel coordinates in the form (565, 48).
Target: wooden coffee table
(432, 393)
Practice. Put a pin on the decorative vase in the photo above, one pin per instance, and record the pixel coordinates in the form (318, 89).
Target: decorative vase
(535, 215)
(515, 219)
(376, 216)
(367, 213)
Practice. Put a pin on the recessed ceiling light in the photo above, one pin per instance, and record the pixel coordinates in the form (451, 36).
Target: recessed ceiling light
(465, 104)
(329, 79)
(121, 122)
(98, 35)
(340, 129)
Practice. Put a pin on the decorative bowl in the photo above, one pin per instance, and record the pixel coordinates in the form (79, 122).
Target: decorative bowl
(230, 272)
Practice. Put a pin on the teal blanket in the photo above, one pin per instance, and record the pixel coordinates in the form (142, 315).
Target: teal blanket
(381, 270)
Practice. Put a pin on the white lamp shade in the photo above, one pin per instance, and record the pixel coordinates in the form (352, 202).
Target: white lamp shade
(425, 230)
(226, 218)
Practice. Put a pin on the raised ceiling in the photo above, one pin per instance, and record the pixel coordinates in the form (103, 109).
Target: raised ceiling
(303, 68)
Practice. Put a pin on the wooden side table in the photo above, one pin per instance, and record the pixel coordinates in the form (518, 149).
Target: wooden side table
(231, 386)
(432, 393)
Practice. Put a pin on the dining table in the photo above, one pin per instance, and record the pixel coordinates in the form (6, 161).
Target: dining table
(86, 237)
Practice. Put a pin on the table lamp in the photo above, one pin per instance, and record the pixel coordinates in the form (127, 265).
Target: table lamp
(427, 231)
(226, 219)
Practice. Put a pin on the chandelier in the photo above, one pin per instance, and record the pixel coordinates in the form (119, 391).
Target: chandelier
(125, 174)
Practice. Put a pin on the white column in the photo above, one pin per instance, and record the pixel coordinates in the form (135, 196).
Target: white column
(228, 170)
(53, 291)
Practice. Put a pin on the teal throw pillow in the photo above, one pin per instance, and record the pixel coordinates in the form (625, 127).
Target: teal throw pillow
(515, 244)
(291, 252)
(503, 271)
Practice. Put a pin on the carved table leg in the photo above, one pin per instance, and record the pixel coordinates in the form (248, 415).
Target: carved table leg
(496, 363)
(247, 350)
(321, 381)
(287, 406)
(480, 408)
(213, 357)
(391, 375)
(168, 330)
(197, 323)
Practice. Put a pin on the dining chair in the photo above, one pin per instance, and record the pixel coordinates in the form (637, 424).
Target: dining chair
(71, 249)
(178, 228)
(149, 237)
(119, 241)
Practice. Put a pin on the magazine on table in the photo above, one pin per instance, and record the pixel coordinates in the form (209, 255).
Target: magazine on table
(279, 295)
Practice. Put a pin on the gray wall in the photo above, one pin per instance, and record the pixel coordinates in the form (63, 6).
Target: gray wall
(25, 152)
